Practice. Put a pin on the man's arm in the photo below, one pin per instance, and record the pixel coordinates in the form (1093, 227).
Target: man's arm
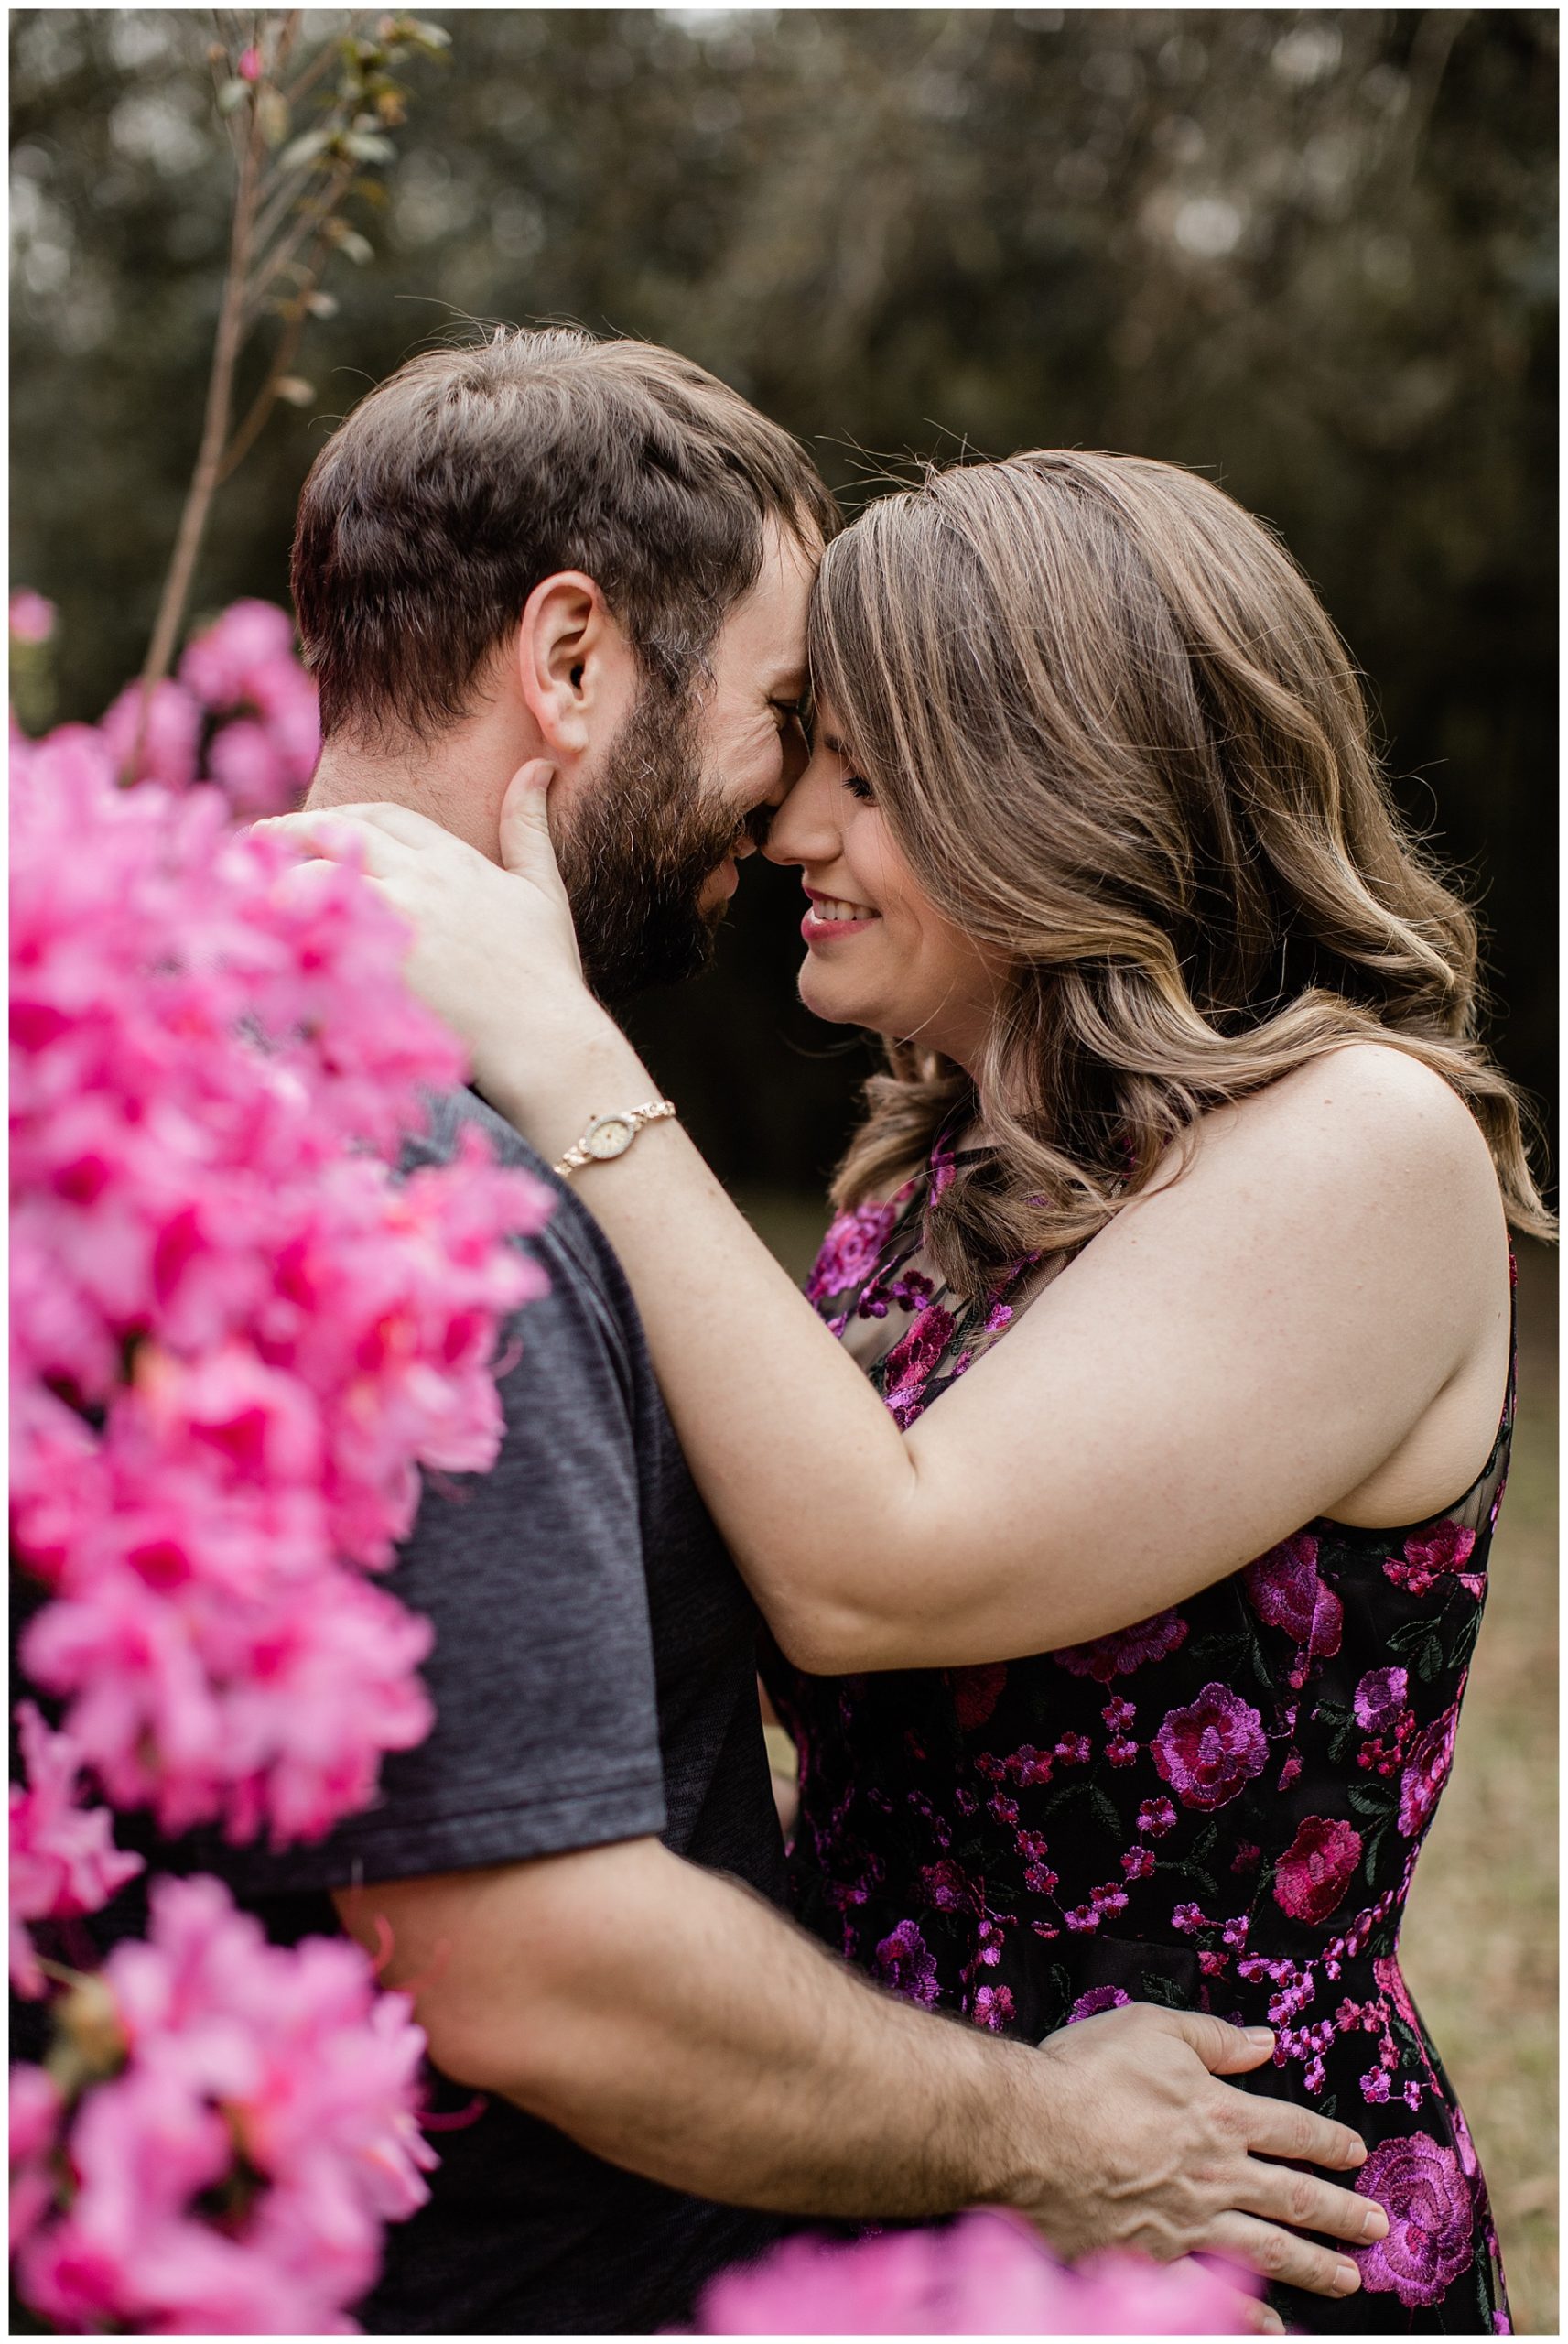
(673, 2023)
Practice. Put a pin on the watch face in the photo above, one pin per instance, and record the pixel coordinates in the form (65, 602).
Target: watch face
(612, 1136)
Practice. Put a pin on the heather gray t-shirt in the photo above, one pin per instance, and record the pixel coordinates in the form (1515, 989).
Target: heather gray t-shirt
(594, 1680)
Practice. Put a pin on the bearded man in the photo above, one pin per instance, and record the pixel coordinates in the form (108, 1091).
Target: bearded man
(546, 546)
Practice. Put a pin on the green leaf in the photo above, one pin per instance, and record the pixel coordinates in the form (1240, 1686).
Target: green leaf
(367, 146)
(1367, 1802)
(359, 248)
(305, 149)
(272, 113)
(232, 96)
(1429, 1660)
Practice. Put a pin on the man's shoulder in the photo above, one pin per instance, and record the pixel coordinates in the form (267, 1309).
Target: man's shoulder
(569, 1245)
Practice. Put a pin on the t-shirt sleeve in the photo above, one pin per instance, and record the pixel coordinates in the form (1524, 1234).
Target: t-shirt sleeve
(542, 1674)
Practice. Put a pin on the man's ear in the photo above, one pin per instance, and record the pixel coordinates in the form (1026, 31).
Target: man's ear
(577, 671)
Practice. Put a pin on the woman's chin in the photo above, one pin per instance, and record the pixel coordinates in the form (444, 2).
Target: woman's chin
(832, 1002)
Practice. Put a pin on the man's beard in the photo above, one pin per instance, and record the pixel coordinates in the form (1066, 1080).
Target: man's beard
(639, 850)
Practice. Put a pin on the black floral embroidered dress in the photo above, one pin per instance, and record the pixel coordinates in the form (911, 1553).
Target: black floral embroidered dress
(1218, 1808)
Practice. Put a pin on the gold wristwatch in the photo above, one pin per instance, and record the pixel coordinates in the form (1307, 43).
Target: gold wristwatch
(612, 1136)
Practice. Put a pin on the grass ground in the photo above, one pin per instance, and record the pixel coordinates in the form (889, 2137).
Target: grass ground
(1480, 1939)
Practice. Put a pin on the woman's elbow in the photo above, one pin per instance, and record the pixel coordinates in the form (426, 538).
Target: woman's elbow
(834, 1639)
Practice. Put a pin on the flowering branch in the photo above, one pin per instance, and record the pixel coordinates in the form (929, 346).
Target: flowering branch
(290, 207)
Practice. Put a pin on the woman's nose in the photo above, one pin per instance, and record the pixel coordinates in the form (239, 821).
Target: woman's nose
(804, 829)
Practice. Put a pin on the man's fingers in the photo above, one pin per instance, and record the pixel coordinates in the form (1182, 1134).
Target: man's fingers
(1225, 2050)
(1282, 2258)
(1280, 2194)
(1278, 2128)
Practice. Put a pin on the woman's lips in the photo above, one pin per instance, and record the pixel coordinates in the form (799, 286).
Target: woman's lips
(833, 916)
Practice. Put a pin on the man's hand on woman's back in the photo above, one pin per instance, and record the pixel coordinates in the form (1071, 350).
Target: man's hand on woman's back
(1156, 2153)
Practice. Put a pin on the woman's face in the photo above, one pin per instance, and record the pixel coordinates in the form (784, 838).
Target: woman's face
(878, 953)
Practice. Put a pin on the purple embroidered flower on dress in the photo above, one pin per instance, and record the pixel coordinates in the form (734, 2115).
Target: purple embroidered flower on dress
(944, 1885)
(850, 1252)
(1286, 1592)
(1431, 1757)
(976, 1691)
(1155, 1817)
(1429, 1554)
(1316, 1869)
(1431, 2212)
(905, 1966)
(1129, 1648)
(1380, 1695)
(912, 1361)
(1138, 1862)
(1208, 1751)
(1098, 1999)
(993, 2007)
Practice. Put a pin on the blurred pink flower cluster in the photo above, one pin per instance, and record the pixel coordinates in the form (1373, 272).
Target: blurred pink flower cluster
(252, 2124)
(235, 1336)
(985, 2274)
(64, 1862)
(241, 713)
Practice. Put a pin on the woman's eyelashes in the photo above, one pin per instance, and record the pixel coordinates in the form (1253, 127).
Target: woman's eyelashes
(858, 786)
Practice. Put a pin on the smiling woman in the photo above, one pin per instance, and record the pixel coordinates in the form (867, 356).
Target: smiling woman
(917, 976)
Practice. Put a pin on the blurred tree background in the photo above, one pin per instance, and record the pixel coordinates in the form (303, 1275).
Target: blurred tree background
(1308, 252)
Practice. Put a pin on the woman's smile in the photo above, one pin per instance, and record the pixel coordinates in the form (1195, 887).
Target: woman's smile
(831, 916)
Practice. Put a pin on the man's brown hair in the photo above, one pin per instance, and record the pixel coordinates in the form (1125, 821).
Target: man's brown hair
(472, 473)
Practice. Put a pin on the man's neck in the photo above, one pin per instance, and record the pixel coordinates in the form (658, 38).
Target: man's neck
(458, 779)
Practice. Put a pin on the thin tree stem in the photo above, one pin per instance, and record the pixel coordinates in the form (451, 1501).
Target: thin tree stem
(214, 437)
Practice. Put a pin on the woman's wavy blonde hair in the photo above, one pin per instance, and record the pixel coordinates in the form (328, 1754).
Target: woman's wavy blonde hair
(1120, 742)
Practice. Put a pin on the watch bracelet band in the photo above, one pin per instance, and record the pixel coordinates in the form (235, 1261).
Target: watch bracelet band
(614, 1135)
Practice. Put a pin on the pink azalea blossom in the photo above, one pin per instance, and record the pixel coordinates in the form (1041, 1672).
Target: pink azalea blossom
(275, 2083)
(63, 1857)
(35, 2111)
(170, 742)
(213, 1071)
(985, 2274)
(244, 1314)
(244, 760)
(222, 665)
(32, 616)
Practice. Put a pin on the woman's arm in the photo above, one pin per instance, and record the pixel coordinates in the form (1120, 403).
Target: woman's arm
(1237, 1352)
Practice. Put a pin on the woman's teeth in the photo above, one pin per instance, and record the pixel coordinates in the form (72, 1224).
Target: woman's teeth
(827, 907)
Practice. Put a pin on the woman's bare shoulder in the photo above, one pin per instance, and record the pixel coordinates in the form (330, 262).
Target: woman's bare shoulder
(1369, 1107)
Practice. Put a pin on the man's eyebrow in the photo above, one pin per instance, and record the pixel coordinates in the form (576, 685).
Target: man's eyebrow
(790, 685)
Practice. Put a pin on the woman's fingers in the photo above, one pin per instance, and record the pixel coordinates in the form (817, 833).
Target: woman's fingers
(340, 835)
(400, 822)
(1282, 2257)
(527, 846)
